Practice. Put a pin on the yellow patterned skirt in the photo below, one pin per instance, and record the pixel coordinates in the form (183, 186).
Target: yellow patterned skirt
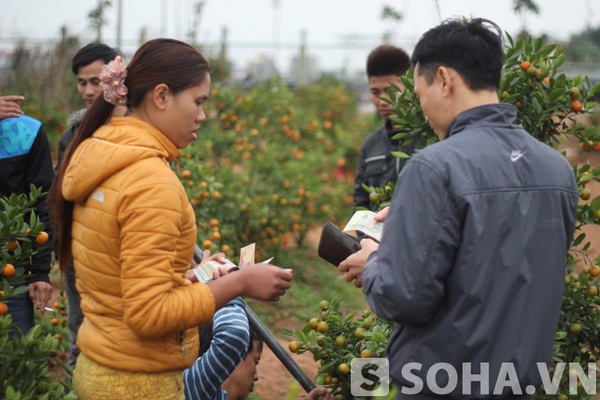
(92, 381)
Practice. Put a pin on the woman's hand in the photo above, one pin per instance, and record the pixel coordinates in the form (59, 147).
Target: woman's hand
(218, 257)
(262, 281)
(224, 270)
(266, 282)
(221, 258)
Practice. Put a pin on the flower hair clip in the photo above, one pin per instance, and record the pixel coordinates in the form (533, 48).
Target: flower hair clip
(112, 80)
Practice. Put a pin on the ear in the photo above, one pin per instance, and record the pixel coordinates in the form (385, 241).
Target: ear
(445, 77)
(160, 96)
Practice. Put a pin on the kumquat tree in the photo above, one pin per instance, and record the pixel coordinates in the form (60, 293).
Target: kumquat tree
(25, 361)
(553, 108)
(271, 178)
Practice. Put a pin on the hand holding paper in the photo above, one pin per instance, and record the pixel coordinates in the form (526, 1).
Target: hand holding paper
(365, 222)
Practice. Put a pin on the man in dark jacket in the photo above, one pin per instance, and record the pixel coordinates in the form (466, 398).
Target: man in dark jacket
(25, 159)
(376, 164)
(472, 260)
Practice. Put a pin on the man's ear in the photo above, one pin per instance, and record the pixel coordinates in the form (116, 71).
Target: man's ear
(160, 96)
(445, 77)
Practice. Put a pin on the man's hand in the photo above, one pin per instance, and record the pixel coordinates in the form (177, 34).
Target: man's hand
(40, 294)
(10, 106)
(382, 215)
(353, 265)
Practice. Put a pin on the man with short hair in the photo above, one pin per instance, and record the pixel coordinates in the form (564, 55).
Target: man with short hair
(471, 264)
(376, 165)
(87, 66)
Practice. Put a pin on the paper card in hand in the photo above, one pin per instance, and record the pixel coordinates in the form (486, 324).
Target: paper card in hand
(335, 246)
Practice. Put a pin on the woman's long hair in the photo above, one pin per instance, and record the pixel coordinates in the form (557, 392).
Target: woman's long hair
(159, 61)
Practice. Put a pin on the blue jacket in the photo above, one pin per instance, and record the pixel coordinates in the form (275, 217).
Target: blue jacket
(472, 260)
(25, 159)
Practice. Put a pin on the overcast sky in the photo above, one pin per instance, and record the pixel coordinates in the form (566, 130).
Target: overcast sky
(339, 33)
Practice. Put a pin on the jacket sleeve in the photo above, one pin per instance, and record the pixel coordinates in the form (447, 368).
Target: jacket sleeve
(229, 345)
(404, 280)
(40, 174)
(65, 140)
(361, 197)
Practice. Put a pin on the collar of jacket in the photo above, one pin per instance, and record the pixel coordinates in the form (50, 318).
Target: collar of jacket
(489, 114)
(122, 142)
(159, 141)
(390, 130)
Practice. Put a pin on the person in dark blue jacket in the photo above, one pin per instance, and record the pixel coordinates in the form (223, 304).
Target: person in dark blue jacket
(376, 164)
(25, 159)
(471, 264)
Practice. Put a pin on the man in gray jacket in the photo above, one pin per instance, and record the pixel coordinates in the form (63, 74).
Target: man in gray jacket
(472, 260)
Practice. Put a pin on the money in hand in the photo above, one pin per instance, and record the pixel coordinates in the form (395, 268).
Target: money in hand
(247, 255)
(364, 221)
(204, 271)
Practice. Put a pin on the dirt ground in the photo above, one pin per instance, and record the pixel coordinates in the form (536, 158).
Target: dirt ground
(275, 381)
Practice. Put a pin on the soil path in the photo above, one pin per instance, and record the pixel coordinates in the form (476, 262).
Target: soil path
(275, 381)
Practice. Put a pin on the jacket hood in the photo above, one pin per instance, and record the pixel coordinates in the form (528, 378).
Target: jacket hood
(76, 117)
(112, 148)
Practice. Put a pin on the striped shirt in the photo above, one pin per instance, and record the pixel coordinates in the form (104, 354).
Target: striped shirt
(229, 345)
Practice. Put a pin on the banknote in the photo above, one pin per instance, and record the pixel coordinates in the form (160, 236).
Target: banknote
(364, 221)
(247, 255)
(204, 271)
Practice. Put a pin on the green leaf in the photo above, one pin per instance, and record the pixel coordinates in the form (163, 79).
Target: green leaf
(379, 337)
(400, 154)
(595, 88)
(19, 290)
(595, 204)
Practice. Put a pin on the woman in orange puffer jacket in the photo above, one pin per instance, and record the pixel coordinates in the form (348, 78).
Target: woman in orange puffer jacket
(123, 218)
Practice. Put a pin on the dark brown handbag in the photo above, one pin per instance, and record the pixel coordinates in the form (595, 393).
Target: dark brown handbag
(335, 246)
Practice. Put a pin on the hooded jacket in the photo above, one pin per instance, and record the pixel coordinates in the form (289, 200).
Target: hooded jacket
(472, 259)
(67, 136)
(134, 234)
